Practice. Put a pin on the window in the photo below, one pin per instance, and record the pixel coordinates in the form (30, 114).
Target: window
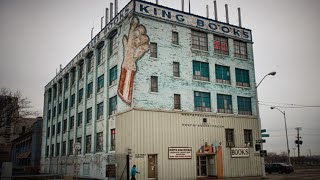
(89, 115)
(223, 74)
(112, 105)
(65, 106)
(47, 151)
(244, 106)
(59, 108)
(79, 140)
(248, 137)
(113, 75)
(176, 69)
(202, 101)
(113, 140)
(48, 132)
(224, 103)
(175, 38)
(100, 111)
(54, 112)
(101, 54)
(229, 138)
(73, 100)
(154, 84)
(177, 101)
(66, 82)
(54, 91)
(100, 83)
(199, 40)
(73, 76)
(240, 49)
(221, 45)
(99, 145)
(79, 121)
(64, 148)
(242, 77)
(90, 62)
(81, 70)
(113, 43)
(71, 147)
(49, 114)
(58, 149)
(200, 71)
(71, 122)
(153, 50)
(80, 95)
(60, 86)
(64, 127)
(53, 130)
(52, 150)
(59, 128)
(90, 90)
(88, 144)
(49, 95)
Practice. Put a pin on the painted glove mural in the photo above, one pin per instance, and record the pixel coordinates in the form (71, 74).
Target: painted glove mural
(134, 47)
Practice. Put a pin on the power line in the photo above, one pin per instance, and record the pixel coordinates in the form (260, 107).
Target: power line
(291, 104)
(297, 106)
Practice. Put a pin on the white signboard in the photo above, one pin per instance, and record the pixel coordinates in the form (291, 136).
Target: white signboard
(180, 153)
(240, 152)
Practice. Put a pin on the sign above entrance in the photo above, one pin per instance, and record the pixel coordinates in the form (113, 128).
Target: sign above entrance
(240, 152)
(180, 153)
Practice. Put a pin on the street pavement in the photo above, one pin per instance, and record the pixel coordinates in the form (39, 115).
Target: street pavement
(298, 174)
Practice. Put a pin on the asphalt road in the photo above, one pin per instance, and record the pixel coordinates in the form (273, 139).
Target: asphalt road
(298, 174)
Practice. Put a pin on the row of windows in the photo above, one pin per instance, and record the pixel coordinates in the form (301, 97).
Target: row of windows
(202, 102)
(90, 62)
(99, 115)
(247, 134)
(88, 145)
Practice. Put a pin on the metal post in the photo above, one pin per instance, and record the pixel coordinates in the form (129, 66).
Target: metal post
(227, 14)
(102, 22)
(239, 16)
(263, 172)
(285, 123)
(115, 7)
(207, 7)
(107, 16)
(182, 5)
(111, 11)
(215, 10)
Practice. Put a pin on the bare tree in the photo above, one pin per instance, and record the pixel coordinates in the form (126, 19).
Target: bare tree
(13, 107)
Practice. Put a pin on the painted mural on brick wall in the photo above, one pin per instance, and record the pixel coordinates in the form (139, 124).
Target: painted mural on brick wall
(135, 45)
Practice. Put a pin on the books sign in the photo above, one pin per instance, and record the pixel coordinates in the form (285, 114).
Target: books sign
(180, 153)
(239, 152)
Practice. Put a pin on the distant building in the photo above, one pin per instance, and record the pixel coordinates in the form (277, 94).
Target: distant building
(173, 90)
(11, 125)
(26, 148)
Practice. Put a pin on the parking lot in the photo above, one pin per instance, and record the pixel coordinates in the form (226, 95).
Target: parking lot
(298, 174)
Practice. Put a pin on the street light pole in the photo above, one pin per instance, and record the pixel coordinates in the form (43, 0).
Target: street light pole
(285, 124)
(259, 120)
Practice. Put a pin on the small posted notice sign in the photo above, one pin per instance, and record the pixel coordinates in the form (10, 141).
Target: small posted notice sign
(180, 153)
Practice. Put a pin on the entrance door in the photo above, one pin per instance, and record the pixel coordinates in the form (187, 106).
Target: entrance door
(152, 165)
(202, 166)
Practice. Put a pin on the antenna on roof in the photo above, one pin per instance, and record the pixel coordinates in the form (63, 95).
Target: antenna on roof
(60, 67)
(189, 7)
(157, 2)
(182, 5)
(227, 14)
(239, 15)
(92, 32)
(107, 15)
(215, 10)
(111, 11)
(102, 22)
(207, 6)
(115, 7)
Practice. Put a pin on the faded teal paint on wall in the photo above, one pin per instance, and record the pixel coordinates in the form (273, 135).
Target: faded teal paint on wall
(168, 85)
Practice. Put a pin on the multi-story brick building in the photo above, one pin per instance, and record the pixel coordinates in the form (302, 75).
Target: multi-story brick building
(173, 90)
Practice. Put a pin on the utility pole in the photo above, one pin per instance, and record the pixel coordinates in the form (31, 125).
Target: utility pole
(294, 152)
(298, 142)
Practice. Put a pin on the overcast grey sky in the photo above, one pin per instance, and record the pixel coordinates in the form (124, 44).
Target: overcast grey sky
(38, 35)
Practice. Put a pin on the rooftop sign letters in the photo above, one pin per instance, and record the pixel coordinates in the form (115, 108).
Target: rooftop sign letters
(192, 20)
